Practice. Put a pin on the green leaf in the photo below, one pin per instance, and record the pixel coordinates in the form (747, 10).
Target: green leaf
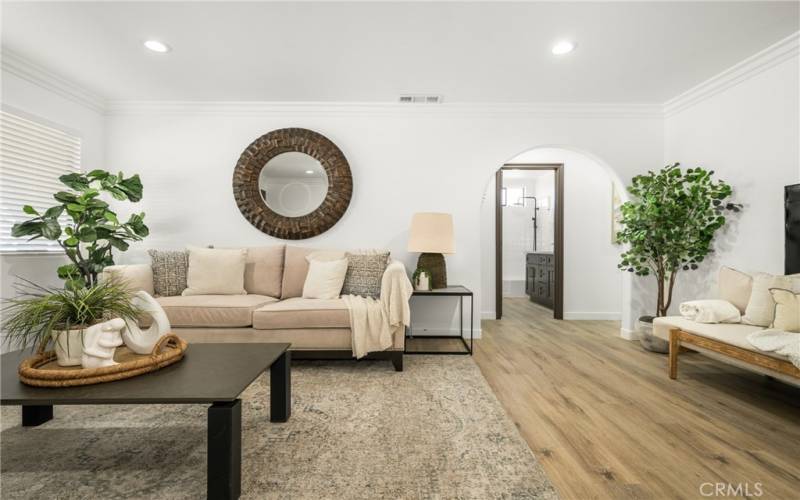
(118, 194)
(77, 182)
(27, 228)
(110, 216)
(132, 187)
(97, 174)
(29, 210)
(118, 243)
(67, 271)
(54, 212)
(87, 234)
(51, 229)
(65, 197)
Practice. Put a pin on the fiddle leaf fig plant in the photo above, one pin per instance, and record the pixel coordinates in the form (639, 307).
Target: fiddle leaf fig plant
(670, 223)
(93, 230)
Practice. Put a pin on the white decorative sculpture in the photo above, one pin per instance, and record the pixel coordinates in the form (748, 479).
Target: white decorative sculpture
(99, 343)
(142, 341)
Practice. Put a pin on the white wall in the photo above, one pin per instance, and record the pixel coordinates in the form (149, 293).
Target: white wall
(35, 102)
(750, 136)
(592, 282)
(403, 160)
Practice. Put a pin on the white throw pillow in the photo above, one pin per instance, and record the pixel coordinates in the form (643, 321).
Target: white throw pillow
(215, 271)
(761, 307)
(324, 279)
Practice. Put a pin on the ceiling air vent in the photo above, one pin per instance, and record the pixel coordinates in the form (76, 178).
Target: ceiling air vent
(420, 99)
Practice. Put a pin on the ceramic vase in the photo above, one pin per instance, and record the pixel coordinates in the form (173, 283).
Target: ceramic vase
(423, 282)
(68, 346)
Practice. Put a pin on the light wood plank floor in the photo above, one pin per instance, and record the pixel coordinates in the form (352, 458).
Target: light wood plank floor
(605, 421)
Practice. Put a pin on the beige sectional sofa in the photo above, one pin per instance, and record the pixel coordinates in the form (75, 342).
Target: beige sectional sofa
(316, 328)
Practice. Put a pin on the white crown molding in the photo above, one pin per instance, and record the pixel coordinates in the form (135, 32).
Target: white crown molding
(23, 68)
(262, 108)
(783, 50)
(771, 56)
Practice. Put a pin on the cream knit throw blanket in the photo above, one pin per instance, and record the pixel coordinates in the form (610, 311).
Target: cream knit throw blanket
(375, 323)
(779, 342)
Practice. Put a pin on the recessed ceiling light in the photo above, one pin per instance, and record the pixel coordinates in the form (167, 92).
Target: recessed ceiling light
(563, 47)
(157, 46)
(309, 172)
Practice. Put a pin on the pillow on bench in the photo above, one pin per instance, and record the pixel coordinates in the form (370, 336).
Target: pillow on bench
(761, 307)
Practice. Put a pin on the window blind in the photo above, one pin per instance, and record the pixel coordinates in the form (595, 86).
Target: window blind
(32, 158)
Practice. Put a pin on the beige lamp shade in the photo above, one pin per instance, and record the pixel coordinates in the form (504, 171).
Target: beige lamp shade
(431, 233)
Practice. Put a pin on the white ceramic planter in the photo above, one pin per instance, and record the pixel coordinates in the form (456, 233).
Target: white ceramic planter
(423, 282)
(68, 346)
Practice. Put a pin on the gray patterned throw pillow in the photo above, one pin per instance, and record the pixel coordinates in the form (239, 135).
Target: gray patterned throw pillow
(169, 271)
(364, 274)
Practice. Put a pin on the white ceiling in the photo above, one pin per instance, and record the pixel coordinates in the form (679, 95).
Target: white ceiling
(468, 52)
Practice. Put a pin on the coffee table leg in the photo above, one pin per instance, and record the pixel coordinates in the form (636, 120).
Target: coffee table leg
(224, 480)
(36, 415)
(280, 388)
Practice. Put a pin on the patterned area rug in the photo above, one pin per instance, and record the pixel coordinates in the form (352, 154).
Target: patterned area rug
(358, 430)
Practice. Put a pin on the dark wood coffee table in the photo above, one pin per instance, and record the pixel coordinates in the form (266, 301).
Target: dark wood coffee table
(209, 373)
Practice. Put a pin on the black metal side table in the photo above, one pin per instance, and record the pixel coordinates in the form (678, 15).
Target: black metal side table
(450, 291)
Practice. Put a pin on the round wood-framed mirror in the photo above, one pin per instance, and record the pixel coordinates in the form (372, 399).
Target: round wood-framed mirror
(292, 183)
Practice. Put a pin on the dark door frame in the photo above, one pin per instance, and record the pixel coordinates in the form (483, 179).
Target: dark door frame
(558, 203)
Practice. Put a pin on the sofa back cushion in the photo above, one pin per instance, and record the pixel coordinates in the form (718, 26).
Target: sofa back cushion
(215, 271)
(735, 287)
(295, 268)
(263, 271)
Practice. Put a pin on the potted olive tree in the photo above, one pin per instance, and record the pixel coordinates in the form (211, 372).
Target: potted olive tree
(669, 226)
(88, 230)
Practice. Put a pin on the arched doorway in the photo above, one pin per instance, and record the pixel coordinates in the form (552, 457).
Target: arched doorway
(581, 220)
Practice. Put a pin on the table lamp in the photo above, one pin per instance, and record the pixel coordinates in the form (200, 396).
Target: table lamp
(432, 235)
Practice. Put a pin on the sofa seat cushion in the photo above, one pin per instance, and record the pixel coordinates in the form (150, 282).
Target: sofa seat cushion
(733, 334)
(202, 311)
(302, 313)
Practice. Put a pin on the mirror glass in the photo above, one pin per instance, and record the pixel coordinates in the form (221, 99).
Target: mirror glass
(293, 184)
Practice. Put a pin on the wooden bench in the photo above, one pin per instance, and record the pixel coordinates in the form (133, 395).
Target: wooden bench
(679, 338)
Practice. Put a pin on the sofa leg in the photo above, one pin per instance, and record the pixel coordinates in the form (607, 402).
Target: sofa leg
(397, 361)
(674, 349)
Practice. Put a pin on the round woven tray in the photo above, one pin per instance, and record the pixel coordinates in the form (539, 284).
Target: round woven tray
(42, 370)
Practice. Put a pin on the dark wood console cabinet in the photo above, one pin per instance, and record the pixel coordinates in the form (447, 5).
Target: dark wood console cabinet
(540, 278)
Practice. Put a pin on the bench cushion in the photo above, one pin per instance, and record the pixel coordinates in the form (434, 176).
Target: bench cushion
(733, 334)
(302, 313)
(212, 310)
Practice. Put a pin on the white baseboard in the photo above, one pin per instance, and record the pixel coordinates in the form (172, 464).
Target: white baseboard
(582, 316)
(628, 334)
(489, 315)
(452, 332)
